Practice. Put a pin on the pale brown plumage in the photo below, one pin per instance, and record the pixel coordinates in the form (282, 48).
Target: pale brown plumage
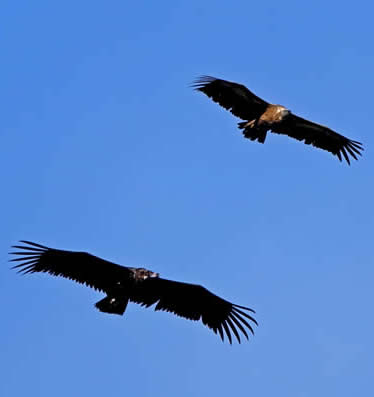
(262, 116)
(123, 284)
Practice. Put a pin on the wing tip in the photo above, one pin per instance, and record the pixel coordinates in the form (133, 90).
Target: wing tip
(30, 252)
(202, 81)
(235, 324)
(350, 150)
(33, 244)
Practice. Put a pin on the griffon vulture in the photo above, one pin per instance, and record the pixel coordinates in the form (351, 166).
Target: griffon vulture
(123, 284)
(261, 116)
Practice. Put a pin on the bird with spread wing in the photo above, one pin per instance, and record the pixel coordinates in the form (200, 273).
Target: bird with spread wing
(261, 116)
(123, 284)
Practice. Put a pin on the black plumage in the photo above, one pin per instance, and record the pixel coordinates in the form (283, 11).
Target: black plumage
(123, 284)
(262, 116)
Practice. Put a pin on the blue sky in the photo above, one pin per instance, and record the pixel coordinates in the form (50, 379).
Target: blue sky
(106, 149)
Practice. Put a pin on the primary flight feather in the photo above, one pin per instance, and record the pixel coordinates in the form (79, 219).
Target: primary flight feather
(261, 116)
(123, 284)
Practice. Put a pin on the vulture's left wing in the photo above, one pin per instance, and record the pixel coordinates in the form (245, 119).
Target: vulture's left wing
(195, 302)
(319, 136)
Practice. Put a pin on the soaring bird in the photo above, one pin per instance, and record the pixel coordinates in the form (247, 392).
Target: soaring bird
(261, 116)
(123, 284)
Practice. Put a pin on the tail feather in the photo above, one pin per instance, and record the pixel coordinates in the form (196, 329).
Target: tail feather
(253, 133)
(112, 305)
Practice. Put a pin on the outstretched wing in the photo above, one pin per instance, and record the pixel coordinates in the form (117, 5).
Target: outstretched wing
(318, 136)
(81, 267)
(195, 302)
(232, 96)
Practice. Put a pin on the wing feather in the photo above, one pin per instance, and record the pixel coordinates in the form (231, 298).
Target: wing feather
(226, 328)
(220, 331)
(319, 136)
(234, 330)
(239, 325)
(245, 322)
(81, 267)
(234, 97)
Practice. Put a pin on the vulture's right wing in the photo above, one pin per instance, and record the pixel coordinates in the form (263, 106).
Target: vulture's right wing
(81, 267)
(232, 96)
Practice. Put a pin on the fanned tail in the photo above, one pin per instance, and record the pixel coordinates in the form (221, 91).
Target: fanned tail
(112, 305)
(252, 132)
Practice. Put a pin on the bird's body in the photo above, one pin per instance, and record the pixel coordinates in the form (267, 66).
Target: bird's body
(129, 284)
(261, 116)
(256, 129)
(118, 294)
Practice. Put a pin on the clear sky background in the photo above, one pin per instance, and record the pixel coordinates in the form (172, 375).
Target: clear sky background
(106, 149)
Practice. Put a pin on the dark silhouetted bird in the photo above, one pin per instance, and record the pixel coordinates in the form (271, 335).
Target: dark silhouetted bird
(262, 116)
(123, 284)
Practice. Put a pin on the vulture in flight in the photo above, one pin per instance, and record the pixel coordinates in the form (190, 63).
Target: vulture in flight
(123, 284)
(261, 116)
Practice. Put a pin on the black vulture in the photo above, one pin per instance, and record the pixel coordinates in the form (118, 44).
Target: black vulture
(261, 116)
(123, 284)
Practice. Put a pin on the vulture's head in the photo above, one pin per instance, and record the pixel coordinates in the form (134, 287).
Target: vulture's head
(282, 111)
(142, 274)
